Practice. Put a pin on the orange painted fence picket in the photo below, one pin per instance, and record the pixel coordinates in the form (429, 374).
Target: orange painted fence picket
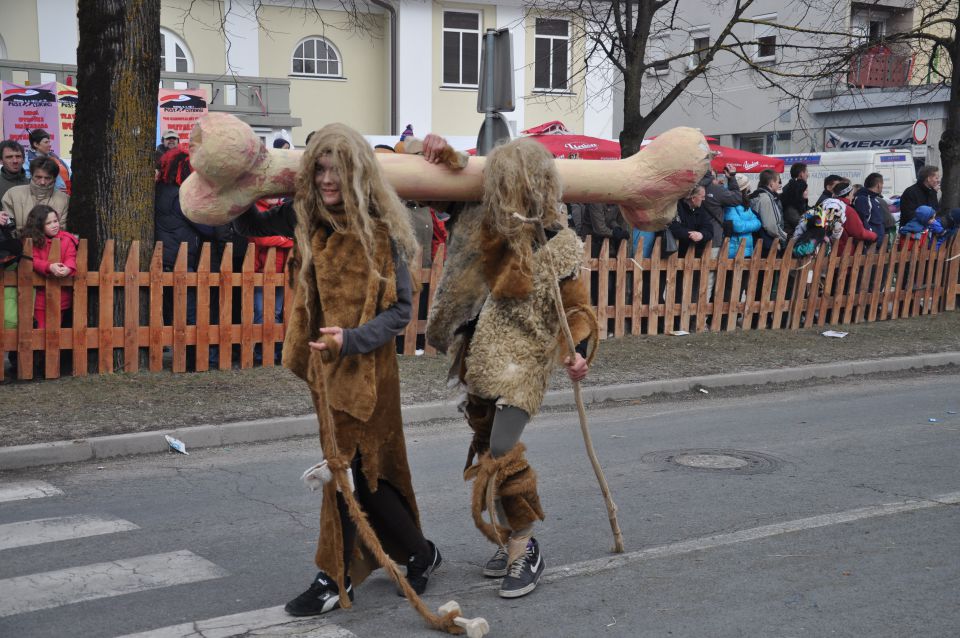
(183, 320)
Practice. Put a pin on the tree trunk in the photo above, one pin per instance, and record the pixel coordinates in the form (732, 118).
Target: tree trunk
(118, 73)
(631, 137)
(950, 141)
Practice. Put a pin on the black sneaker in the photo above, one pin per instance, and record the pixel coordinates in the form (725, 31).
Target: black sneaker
(419, 568)
(496, 567)
(323, 596)
(524, 573)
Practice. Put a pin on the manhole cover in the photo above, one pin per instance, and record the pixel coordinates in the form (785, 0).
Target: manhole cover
(715, 460)
(711, 461)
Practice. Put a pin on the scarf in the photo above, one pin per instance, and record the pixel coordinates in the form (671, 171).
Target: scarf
(41, 193)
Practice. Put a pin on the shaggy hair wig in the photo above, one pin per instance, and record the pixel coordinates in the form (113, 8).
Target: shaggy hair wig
(366, 196)
(520, 177)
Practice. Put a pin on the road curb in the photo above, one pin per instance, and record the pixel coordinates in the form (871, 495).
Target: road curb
(215, 435)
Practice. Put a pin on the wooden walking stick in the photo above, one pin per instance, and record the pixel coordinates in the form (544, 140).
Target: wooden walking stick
(581, 411)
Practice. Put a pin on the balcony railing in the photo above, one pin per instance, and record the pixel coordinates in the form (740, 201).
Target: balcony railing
(259, 101)
(880, 70)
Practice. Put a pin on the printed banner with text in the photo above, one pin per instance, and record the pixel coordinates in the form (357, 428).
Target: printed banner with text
(29, 107)
(179, 110)
(67, 99)
(868, 137)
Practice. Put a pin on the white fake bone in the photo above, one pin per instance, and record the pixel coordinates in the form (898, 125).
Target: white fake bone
(474, 627)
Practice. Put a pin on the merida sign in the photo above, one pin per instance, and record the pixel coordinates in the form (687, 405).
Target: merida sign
(867, 137)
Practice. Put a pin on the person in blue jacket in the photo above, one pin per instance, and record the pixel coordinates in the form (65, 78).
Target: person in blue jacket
(740, 222)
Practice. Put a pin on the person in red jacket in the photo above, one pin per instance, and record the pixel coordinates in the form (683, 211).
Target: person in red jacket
(43, 226)
(853, 227)
(263, 246)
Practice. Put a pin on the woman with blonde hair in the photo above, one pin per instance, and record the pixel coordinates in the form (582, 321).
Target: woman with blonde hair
(352, 295)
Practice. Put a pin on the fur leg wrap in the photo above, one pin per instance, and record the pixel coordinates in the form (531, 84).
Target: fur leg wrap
(515, 482)
(480, 413)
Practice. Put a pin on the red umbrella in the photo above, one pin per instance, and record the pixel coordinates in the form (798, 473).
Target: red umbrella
(743, 161)
(564, 145)
(579, 146)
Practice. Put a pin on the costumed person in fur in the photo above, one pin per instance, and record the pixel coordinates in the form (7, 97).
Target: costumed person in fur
(494, 313)
(350, 271)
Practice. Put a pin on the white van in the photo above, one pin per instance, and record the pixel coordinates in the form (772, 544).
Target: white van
(896, 166)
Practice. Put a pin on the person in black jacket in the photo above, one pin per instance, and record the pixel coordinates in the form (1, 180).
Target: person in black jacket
(794, 197)
(923, 193)
(868, 206)
(691, 227)
(171, 227)
(828, 183)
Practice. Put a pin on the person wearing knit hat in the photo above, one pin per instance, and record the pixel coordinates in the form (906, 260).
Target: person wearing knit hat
(743, 182)
(281, 143)
(407, 132)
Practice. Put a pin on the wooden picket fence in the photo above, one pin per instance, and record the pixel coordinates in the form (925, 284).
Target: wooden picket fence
(632, 295)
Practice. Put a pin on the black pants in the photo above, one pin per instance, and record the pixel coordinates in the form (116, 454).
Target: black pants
(388, 513)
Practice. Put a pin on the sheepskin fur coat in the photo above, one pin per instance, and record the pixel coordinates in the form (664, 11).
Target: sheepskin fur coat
(363, 390)
(517, 341)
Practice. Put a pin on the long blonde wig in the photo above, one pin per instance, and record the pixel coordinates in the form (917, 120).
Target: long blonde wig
(366, 197)
(520, 177)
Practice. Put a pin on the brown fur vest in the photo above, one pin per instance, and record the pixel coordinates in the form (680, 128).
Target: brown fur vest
(363, 390)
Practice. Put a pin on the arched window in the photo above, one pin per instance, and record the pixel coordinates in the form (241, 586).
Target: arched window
(316, 57)
(174, 54)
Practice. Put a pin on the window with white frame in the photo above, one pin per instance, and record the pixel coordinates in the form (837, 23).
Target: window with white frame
(461, 48)
(551, 55)
(656, 52)
(316, 57)
(766, 38)
(174, 54)
(699, 43)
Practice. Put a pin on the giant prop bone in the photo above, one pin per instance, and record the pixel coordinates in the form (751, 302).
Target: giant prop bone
(232, 169)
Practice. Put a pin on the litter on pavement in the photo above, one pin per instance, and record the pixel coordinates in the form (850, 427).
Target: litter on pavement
(176, 444)
(835, 333)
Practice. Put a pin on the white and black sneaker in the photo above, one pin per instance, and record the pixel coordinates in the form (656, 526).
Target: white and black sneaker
(496, 567)
(524, 573)
(322, 596)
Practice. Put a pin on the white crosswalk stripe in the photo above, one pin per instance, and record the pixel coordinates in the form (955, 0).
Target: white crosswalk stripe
(27, 489)
(49, 530)
(101, 580)
(251, 623)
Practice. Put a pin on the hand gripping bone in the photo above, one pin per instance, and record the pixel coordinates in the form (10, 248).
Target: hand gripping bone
(474, 627)
(232, 169)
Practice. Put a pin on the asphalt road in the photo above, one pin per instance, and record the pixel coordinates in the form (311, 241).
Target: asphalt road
(842, 522)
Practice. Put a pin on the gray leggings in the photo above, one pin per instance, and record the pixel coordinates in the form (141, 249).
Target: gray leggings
(508, 424)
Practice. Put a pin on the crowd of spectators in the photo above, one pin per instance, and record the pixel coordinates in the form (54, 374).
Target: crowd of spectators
(35, 195)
